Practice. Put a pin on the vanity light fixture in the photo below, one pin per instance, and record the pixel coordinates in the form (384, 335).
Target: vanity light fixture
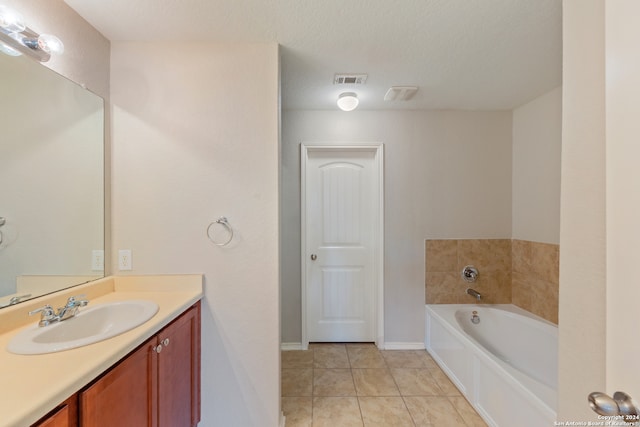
(348, 101)
(16, 38)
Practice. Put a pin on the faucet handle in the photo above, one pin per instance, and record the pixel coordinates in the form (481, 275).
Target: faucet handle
(47, 312)
(44, 309)
(77, 301)
(470, 273)
(48, 315)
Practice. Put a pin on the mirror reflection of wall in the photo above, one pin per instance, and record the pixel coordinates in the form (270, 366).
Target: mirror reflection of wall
(51, 180)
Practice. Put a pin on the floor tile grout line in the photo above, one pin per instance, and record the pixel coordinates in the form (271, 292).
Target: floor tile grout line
(388, 368)
(458, 412)
(313, 374)
(359, 406)
(410, 414)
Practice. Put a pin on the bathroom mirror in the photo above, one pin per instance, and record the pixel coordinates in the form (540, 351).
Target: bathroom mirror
(51, 182)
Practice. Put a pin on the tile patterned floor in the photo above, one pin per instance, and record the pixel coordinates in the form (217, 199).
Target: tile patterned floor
(344, 385)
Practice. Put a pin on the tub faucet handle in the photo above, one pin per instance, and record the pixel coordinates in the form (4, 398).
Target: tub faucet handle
(470, 274)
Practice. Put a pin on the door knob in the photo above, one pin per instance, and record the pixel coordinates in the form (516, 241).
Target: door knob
(621, 404)
(314, 257)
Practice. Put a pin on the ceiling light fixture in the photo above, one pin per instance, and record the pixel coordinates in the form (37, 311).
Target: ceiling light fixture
(16, 38)
(348, 101)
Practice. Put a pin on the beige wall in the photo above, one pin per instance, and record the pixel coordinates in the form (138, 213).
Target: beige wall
(195, 137)
(447, 175)
(530, 280)
(537, 146)
(446, 205)
(582, 219)
(537, 142)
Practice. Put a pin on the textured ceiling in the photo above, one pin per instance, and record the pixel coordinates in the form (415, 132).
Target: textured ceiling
(463, 54)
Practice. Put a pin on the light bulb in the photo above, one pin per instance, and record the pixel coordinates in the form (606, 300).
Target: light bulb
(348, 101)
(11, 21)
(50, 44)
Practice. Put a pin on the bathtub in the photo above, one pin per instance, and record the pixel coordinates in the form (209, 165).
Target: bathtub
(506, 365)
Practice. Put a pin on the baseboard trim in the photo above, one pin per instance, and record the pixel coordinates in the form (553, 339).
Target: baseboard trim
(404, 346)
(289, 346)
(283, 419)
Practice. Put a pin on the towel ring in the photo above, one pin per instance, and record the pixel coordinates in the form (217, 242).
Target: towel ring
(225, 223)
(3, 221)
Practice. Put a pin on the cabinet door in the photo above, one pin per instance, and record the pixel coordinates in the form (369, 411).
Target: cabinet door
(179, 371)
(65, 415)
(124, 396)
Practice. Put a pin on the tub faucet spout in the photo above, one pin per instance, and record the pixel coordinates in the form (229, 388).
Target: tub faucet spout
(474, 293)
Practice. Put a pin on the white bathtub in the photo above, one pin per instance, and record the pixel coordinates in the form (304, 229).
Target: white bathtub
(506, 365)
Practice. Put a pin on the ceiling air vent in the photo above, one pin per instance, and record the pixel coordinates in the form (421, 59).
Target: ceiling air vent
(350, 79)
(400, 93)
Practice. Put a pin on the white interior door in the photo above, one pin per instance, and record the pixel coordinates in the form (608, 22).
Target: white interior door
(342, 242)
(623, 197)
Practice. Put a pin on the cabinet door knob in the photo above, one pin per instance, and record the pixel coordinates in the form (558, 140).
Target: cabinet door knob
(165, 342)
(158, 348)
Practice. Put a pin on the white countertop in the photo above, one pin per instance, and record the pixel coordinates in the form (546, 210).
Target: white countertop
(33, 385)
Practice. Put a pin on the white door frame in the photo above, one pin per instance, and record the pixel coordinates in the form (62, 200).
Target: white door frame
(378, 238)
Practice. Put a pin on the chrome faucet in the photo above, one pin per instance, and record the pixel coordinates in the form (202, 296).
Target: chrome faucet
(70, 309)
(474, 293)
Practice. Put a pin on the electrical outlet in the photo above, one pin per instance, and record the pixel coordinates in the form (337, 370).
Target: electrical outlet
(124, 259)
(97, 260)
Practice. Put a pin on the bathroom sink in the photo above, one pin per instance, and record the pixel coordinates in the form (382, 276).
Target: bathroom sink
(87, 327)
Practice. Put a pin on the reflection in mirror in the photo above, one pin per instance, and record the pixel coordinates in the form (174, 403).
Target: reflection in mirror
(51, 182)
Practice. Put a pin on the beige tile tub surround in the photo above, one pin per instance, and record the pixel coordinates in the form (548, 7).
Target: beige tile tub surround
(66, 372)
(368, 387)
(520, 272)
(535, 278)
(445, 260)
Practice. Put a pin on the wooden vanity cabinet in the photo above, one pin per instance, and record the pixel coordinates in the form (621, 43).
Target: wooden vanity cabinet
(157, 385)
(65, 415)
(178, 371)
(124, 396)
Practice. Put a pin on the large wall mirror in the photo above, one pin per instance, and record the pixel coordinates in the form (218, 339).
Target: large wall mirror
(51, 182)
